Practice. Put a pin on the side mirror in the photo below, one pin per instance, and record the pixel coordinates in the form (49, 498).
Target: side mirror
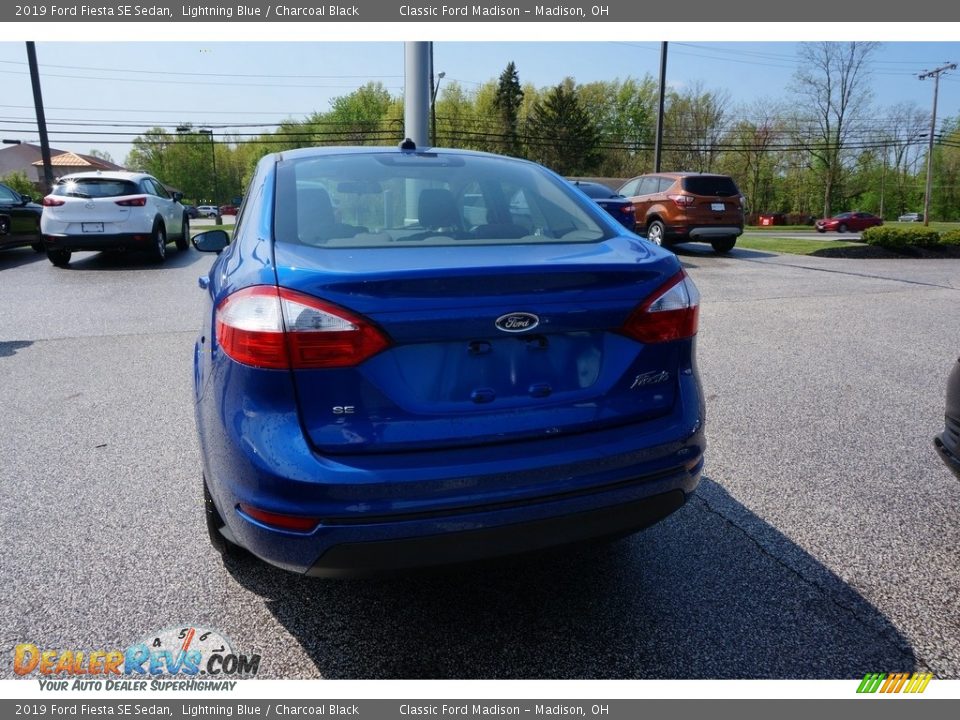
(211, 241)
(26, 199)
(177, 196)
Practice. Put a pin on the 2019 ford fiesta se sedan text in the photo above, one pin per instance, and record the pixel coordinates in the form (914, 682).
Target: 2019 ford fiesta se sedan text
(417, 357)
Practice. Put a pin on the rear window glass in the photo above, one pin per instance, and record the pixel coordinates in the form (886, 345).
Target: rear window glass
(96, 188)
(719, 185)
(415, 199)
(597, 191)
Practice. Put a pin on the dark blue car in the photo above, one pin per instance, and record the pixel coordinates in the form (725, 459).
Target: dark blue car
(412, 358)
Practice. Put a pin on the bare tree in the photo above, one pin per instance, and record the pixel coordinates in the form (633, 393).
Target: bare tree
(906, 127)
(833, 78)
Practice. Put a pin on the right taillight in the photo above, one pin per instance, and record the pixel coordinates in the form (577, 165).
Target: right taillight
(269, 327)
(670, 313)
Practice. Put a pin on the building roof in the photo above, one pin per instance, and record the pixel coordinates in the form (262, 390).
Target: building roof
(25, 156)
(73, 160)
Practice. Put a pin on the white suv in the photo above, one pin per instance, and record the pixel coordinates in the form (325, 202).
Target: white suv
(112, 211)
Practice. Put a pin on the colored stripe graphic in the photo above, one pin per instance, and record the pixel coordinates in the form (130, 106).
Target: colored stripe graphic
(894, 683)
(871, 682)
(918, 683)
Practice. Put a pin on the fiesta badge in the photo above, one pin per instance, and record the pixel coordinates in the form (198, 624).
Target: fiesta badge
(517, 322)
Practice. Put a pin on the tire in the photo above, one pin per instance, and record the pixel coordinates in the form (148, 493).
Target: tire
(723, 245)
(38, 246)
(60, 258)
(841, 228)
(183, 242)
(214, 522)
(159, 242)
(656, 232)
(821, 230)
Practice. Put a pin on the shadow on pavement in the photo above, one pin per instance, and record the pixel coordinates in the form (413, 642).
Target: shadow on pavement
(132, 260)
(712, 592)
(19, 256)
(9, 348)
(701, 250)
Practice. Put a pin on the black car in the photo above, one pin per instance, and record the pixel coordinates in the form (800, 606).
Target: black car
(617, 205)
(19, 220)
(948, 443)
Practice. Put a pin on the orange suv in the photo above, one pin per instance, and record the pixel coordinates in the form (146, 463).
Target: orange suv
(687, 207)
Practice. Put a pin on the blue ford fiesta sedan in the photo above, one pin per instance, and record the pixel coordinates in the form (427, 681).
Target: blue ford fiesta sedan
(415, 357)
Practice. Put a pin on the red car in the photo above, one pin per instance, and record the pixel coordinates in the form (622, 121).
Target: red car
(228, 209)
(853, 221)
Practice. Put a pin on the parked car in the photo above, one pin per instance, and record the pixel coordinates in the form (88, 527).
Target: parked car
(228, 209)
(374, 393)
(113, 210)
(19, 220)
(617, 205)
(911, 217)
(681, 206)
(207, 211)
(191, 211)
(948, 442)
(852, 221)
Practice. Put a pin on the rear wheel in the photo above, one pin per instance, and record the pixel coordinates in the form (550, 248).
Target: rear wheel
(214, 524)
(60, 258)
(656, 233)
(723, 245)
(159, 242)
(183, 242)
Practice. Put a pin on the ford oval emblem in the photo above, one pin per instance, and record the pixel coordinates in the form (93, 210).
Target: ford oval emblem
(517, 322)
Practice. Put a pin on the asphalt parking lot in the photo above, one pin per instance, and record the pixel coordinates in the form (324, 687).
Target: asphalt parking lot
(824, 541)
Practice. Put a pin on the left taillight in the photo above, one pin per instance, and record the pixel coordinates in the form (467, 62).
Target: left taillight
(671, 312)
(278, 328)
(51, 201)
(132, 202)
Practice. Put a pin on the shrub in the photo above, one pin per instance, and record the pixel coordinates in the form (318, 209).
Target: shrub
(951, 237)
(896, 238)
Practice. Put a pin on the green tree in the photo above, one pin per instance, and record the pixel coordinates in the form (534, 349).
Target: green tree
(507, 102)
(561, 134)
(19, 181)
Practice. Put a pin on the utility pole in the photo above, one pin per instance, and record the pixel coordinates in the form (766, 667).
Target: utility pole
(41, 118)
(658, 148)
(935, 74)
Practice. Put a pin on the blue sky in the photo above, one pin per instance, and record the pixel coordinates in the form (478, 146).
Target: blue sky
(144, 84)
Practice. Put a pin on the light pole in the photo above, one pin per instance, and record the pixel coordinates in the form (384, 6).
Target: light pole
(433, 104)
(213, 161)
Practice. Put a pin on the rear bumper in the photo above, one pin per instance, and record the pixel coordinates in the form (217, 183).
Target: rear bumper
(710, 233)
(701, 233)
(120, 241)
(353, 559)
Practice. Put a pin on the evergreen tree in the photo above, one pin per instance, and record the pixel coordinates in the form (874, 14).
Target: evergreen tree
(507, 102)
(561, 134)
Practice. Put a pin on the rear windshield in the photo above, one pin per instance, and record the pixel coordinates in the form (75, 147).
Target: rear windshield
(96, 188)
(597, 191)
(719, 185)
(393, 199)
